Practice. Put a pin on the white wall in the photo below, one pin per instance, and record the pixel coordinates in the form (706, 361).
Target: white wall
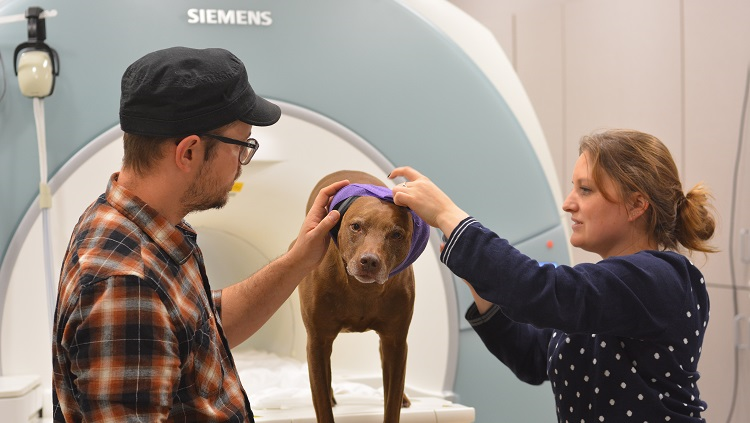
(673, 68)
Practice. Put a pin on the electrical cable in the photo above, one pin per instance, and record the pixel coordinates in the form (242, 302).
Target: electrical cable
(45, 202)
(4, 86)
(36, 80)
(743, 118)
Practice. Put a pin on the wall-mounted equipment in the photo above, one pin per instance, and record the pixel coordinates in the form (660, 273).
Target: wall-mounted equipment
(36, 64)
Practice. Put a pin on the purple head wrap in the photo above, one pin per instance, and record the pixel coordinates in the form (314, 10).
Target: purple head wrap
(420, 235)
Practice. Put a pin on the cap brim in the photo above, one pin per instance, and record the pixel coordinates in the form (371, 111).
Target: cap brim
(264, 113)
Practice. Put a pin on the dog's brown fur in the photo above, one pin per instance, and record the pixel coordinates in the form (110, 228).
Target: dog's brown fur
(350, 292)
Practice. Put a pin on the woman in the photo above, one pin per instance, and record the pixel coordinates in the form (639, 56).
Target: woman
(619, 340)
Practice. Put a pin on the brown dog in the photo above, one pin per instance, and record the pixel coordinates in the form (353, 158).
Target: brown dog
(351, 291)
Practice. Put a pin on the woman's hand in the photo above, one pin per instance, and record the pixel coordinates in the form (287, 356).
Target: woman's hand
(427, 200)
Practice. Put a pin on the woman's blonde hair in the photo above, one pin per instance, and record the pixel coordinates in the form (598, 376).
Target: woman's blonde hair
(639, 162)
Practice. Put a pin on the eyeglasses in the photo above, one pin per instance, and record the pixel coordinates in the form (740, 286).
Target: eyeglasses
(246, 153)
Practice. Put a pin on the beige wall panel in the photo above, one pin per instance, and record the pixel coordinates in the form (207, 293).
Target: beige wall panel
(498, 16)
(623, 68)
(539, 63)
(495, 16)
(716, 365)
(717, 56)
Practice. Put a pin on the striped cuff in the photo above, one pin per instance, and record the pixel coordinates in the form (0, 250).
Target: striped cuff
(476, 319)
(455, 235)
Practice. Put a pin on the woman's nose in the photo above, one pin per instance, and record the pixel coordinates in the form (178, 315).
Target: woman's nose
(567, 205)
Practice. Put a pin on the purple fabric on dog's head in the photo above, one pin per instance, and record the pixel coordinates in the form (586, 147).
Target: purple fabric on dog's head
(420, 235)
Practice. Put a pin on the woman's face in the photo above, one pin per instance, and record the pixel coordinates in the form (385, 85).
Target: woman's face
(598, 226)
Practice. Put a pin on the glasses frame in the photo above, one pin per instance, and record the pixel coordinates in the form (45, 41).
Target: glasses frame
(251, 146)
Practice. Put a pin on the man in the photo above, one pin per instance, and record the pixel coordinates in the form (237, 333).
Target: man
(139, 335)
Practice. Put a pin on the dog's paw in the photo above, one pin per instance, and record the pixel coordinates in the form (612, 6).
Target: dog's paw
(405, 403)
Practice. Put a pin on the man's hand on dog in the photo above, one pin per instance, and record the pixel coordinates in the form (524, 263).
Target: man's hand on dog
(312, 242)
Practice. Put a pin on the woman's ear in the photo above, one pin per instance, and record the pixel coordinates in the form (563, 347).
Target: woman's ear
(637, 206)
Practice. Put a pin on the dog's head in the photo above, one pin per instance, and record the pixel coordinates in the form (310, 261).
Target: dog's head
(374, 238)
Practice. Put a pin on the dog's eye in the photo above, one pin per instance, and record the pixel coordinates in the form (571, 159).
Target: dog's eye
(396, 235)
(355, 227)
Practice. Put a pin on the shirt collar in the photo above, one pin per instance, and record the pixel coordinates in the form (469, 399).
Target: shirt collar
(174, 240)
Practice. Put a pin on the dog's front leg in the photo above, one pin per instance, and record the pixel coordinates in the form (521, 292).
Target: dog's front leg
(393, 351)
(319, 368)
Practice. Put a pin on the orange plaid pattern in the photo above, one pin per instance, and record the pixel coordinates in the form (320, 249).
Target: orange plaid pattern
(137, 333)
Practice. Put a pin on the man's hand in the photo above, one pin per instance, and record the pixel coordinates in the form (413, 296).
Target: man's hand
(312, 241)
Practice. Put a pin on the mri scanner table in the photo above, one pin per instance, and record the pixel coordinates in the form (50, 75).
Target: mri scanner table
(422, 410)
(279, 392)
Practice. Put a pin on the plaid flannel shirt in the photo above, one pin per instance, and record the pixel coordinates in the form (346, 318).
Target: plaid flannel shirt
(137, 332)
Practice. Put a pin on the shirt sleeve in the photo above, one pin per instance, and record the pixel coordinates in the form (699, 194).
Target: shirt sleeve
(521, 347)
(124, 353)
(216, 295)
(637, 296)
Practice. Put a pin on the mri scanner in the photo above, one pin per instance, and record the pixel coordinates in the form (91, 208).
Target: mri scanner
(364, 85)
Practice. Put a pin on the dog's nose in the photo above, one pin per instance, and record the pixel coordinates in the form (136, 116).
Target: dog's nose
(369, 261)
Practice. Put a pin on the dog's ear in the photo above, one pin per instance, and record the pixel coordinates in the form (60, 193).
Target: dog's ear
(342, 207)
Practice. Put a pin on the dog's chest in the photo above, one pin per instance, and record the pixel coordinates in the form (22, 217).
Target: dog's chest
(358, 327)
(362, 311)
(358, 313)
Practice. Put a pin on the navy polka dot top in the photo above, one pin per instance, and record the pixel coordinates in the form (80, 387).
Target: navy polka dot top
(619, 340)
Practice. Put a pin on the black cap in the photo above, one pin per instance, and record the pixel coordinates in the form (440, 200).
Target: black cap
(181, 91)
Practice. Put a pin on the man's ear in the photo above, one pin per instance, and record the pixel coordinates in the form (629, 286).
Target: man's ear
(637, 206)
(187, 153)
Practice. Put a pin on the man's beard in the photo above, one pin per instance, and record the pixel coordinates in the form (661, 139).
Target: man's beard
(206, 193)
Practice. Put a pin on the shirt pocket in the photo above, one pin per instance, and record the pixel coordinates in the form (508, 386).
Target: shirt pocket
(209, 372)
